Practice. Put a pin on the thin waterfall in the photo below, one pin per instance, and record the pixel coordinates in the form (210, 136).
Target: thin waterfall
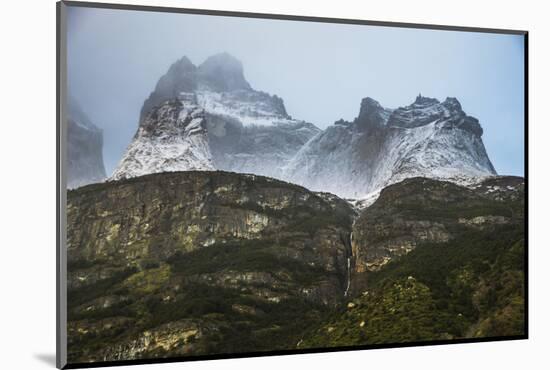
(349, 277)
(349, 265)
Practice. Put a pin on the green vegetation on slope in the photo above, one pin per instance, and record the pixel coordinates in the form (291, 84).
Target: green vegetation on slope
(203, 263)
(472, 286)
(437, 261)
(247, 256)
(200, 263)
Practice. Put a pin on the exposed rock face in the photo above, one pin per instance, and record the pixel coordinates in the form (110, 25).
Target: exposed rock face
(198, 247)
(206, 262)
(419, 211)
(84, 148)
(434, 261)
(172, 137)
(249, 131)
(181, 77)
(381, 147)
(177, 338)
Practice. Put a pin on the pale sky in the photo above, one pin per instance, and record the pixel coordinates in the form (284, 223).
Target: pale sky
(322, 71)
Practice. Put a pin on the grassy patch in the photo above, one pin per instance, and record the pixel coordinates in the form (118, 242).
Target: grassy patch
(148, 281)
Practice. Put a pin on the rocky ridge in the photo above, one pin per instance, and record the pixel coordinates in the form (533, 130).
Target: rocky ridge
(380, 147)
(245, 130)
(249, 131)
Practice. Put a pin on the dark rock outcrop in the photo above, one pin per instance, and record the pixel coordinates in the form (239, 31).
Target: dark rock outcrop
(181, 77)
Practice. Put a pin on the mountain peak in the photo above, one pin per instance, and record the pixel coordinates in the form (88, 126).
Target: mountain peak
(183, 64)
(371, 114)
(223, 58)
(369, 104)
(425, 110)
(223, 72)
(382, 146)
(424, 100)
(452, 103)
(172, 137)
(180, 76)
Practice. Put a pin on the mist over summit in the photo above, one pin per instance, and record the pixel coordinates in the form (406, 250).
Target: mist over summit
(245, 130)
(249, 131)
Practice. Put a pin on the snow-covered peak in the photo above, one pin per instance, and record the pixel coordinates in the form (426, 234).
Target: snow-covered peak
(221, 89)
(452, 104)
(208, 117)
(425, 139)
(424, 111)
(211, 115)
(172, 137)
(424, 101)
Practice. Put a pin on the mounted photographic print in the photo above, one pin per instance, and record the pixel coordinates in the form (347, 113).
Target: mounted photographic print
(236, 184)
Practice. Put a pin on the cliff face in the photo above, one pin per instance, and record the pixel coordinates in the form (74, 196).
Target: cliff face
(420, 210)
(200, 262)
(206, 262)
(434, 261)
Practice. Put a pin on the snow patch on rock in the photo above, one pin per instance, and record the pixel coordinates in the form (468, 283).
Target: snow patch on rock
(172, 138)
(425, 139)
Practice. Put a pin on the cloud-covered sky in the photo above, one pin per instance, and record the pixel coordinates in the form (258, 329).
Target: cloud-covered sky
(322, 71)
